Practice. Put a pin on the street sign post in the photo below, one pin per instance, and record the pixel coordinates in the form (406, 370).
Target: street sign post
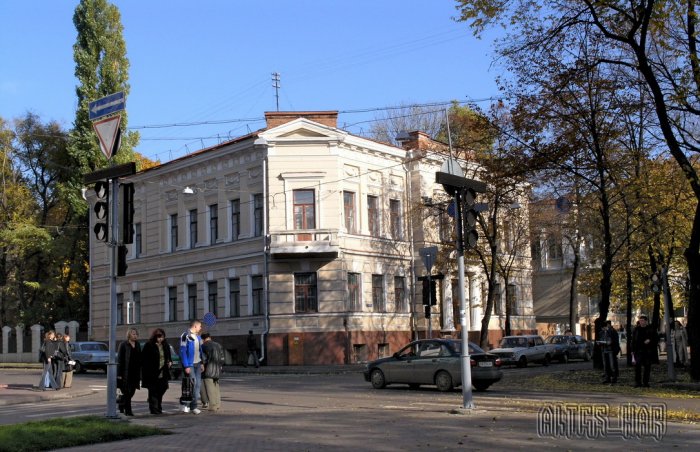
(107, 105)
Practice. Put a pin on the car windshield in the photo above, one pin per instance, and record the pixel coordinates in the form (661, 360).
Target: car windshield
(95, 347)
(510, 342)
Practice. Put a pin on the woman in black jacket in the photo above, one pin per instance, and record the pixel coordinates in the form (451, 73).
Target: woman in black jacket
(48, 354)
(129, 370)
(156, 369)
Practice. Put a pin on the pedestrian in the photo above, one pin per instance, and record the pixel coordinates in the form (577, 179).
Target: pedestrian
(129, 370)
(156, 369)
(68, 362)
(191, 356)
(252, 350)
(611, 347)
(213, 363)
(643, 351)
(680, 344)
(47, 354)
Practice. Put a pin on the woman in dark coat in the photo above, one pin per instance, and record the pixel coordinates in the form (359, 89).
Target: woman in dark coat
(129, 370)
(156, 369)
(48, 354)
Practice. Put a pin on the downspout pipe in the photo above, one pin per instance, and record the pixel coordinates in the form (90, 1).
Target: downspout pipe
(266, 257)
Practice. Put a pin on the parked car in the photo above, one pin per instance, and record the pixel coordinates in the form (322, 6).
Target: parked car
(522, 350)
(176, 369)
(434, 362)
(89, 356)
(570, 347)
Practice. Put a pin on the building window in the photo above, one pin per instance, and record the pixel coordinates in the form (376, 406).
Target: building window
(257, 291)
(400, 294)
(212, 296)
(373, 215)
(120, 309)
(395, 219)
(133, 311)
(173, 232)
(349, 210)
(258, 215)
(354, 298)
(512, 299)
(192, 301)
(305, 292)
(497, 308)
(304, 210)
(137, 240)
(172, 304)
(234, 297)
(445, 227)
(213, 223)
(378, 301)
(193, 228)
(235, 218)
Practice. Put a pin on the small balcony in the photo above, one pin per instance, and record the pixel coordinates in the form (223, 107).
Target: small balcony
(304, 243)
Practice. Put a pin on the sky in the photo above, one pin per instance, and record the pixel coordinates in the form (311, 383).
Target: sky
(201, 72)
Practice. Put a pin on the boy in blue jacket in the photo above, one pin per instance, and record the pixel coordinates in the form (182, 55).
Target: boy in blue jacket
(192, 357)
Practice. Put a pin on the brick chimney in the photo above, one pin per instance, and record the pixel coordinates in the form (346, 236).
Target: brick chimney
(419, 141)
(277, 118)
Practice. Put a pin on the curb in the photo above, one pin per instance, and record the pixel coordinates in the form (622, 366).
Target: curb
(37, 395)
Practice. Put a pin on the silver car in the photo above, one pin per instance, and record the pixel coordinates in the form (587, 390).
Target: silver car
(434, 362)
(89, 356)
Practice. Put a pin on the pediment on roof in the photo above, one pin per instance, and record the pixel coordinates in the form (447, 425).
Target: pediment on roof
(303, 129)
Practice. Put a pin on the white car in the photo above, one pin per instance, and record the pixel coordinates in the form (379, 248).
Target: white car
(522, 350)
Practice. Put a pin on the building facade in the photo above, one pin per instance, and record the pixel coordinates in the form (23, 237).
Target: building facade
(301, 232)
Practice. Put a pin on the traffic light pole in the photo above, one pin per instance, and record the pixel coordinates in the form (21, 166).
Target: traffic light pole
(112, 364)
(467, 402)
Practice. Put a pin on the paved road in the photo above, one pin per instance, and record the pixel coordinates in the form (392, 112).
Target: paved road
(342, 412)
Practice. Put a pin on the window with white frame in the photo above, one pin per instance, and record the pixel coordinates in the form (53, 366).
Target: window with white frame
(172, 304)
(137, 240)
(304, 209)
(212, 293)
(258, 214)
(400, 294)
(354, 292)
(234, 297)
(213, 223)
(378, 300)
(173, 232)
(192, 301)
(349, 211)
(257, 292)
(133, 311)
(373, 215)
(235, 218)
(395, 219)
(193, 228)
(305, 290)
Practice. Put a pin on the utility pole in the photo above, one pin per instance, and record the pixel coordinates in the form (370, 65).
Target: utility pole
(276, 85)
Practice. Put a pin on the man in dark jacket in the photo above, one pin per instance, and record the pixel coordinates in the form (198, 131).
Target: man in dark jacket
(213, 362)
(643, 350)
(611, 347)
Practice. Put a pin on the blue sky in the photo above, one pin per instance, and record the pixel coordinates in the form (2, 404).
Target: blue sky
(212, 60)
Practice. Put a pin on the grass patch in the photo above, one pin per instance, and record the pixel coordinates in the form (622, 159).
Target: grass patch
(589, 380)
(69, 432)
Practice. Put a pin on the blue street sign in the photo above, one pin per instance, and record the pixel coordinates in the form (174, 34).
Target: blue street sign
(107, 105)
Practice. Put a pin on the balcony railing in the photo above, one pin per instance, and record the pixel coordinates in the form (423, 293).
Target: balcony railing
(304, 243)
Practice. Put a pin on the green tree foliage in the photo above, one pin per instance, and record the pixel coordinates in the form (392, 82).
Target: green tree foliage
(653, 44)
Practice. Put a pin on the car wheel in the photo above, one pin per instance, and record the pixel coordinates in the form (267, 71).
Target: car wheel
(564, 358)
(78, 368)
(547, 360)
(522, 362)
(377, 378)
(414, 386)
(443, 381)
(587, 356)
(481, 386)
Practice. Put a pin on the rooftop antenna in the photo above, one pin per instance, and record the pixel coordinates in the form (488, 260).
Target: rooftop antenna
(276, 85)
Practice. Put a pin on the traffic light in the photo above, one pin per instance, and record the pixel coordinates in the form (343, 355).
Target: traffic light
(427, 311)
(122, 251)
(426, 292)
(469, 217)
(102, 210)
(127, 217)
(433, 292)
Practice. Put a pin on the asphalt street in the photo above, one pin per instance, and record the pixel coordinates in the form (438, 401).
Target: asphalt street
(324, 409)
